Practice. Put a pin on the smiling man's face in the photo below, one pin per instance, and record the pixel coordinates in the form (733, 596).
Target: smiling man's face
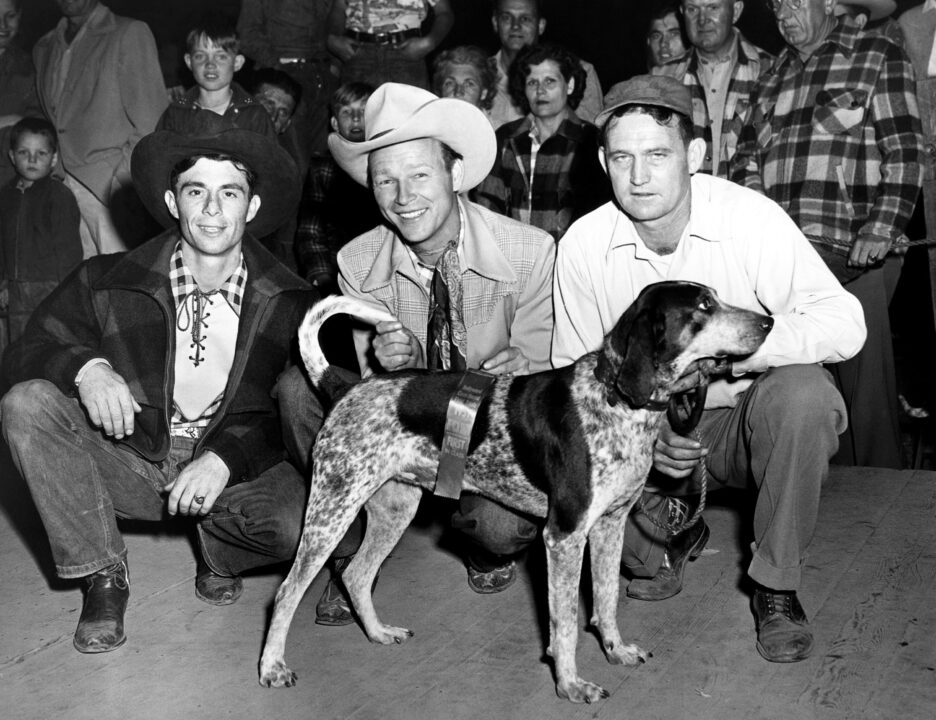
(213, 203)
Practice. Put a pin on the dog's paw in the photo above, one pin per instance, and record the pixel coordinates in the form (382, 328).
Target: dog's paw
(277, 675)
(388, 635)
(622, 654)
(579, 691)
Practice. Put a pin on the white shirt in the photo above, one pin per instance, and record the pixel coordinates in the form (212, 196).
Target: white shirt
(929, 6)
(739, 243)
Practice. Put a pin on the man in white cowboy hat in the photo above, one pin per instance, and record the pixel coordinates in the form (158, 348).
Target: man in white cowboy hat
(834, 138)
(420, 154)
(142, 388)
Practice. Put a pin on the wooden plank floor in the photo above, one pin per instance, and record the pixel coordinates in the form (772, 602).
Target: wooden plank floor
(869, 589)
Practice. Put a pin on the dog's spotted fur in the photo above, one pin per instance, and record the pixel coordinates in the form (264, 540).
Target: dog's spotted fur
(572, 445)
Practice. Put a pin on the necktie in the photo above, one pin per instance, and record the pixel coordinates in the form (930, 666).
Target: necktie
(445, 334)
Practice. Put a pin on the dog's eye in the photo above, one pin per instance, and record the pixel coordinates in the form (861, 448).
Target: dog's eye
(705, 305)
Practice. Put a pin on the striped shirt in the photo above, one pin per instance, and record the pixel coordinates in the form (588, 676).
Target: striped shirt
(836, 139)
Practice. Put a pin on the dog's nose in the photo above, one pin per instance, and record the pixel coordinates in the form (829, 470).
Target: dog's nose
(766, 324)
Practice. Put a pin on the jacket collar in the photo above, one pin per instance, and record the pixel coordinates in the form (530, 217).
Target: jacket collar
(572, 127)
(101, 21)
(147, 268)
(479, 250)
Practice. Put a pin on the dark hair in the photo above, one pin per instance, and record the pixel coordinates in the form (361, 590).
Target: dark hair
(275, 78)
(662, 116)
(478, 59)
(33, 126)
(187, 163)
(660, 12)
(220, 30)
(449, 156)
(347, 93)
(569, 65)
(495, 6)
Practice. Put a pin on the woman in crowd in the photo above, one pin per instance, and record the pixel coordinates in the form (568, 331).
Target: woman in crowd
(547, 171)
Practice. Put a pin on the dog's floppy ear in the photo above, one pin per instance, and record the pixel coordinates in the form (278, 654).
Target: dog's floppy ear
(627, 364)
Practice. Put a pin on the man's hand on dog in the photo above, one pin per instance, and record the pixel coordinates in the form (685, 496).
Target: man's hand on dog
(107, 398)
(675, 455)
(509, 361)
(205, 477)
(395, 347)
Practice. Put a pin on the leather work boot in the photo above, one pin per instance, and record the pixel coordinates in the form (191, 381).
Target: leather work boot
(101, 625)
(215, 589)
(680, 548)
(783, 634)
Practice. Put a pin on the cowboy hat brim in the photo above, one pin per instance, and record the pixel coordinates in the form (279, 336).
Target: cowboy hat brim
(457, 123)
(277, 182)
(877, 9)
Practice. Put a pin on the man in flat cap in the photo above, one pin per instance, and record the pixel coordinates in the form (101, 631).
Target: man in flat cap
(143, 381)
(772, 422)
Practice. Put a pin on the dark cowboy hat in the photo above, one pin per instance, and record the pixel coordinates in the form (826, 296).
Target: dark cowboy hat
(277, 181)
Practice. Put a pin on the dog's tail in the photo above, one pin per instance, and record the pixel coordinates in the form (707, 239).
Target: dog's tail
(309, 347)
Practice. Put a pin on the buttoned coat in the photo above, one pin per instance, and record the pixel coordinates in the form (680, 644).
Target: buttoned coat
(112, 96)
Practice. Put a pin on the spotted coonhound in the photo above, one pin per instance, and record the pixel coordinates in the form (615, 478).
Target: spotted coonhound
(572, 445)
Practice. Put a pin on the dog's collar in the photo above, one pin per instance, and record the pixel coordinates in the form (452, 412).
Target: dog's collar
(656, 405)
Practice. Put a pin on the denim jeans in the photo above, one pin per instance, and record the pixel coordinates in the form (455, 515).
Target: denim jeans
(377, 64)
(81, 482)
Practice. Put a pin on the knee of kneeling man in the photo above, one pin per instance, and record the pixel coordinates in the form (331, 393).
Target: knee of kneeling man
(25, 400)
(505, 535)
(803, 392)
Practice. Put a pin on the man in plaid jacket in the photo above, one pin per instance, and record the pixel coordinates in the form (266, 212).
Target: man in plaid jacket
(144, 380)
(834, 138)
(722, 72)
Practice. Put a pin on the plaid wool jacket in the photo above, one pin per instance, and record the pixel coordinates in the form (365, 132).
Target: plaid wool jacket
(836, 141)
(752, 61)
(506, 283)
(567, 181)
(119, 307)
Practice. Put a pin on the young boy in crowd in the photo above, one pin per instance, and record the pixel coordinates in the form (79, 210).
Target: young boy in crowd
(39, 222)
(216, 102)
(335, 209)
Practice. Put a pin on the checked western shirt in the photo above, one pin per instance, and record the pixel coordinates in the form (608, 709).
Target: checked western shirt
(750, 63)
(564, 182)
(836, 140)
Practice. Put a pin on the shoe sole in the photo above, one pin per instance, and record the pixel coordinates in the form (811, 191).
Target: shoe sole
(98, 650)
(219, 603)
(782, 659)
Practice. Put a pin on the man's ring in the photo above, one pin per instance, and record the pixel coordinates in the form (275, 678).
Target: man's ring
(200, 499)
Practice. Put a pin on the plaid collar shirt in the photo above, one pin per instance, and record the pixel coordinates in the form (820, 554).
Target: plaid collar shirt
(836, 139)
(750, 63)
(183, 288)
(564, 182)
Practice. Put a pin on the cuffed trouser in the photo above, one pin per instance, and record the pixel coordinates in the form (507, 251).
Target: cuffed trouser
(81, 481)
(495, 532)
(778, 438)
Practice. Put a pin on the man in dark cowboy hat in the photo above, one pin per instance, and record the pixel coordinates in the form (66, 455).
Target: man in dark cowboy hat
(143, 382)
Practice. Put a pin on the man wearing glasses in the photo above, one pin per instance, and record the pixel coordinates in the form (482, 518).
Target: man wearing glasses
(834, 137)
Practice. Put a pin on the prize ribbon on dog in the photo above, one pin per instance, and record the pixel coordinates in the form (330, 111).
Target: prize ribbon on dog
(459, 420)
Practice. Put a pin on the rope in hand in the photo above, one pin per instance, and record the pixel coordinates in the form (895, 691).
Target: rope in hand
(683, 414)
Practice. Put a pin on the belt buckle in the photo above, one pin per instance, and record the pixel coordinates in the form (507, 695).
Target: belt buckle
(383, 38)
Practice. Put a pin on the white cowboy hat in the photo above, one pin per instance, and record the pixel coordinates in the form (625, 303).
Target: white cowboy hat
(396, 113)
(877, 9)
